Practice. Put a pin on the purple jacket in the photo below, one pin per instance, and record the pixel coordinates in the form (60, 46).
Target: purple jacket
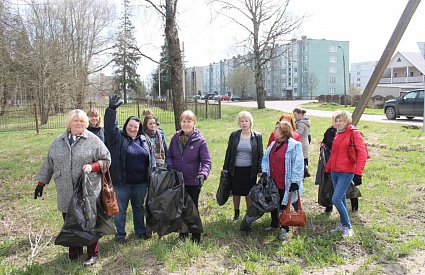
(195, 159)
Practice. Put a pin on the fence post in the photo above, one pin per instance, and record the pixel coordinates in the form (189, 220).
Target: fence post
(196, 107)
(219, 108)
(206, 108)
(138, 109)
(36, 119)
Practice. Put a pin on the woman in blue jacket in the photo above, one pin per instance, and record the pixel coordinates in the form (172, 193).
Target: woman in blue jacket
(132, 163)
(283, 161)
(188, 153)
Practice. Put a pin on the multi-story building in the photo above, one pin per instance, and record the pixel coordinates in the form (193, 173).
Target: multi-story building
(360, 73)
(304, 68)
(307, 68)
(194, 81)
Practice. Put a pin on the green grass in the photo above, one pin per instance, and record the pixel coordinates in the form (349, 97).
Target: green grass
(388, 227)
(331, 106)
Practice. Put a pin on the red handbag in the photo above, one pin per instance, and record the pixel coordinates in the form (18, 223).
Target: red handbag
(293, 218)
(108, 196)
(352, 153)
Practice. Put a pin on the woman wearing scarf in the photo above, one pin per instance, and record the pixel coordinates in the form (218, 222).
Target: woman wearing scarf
(157, 138)
(189, 154)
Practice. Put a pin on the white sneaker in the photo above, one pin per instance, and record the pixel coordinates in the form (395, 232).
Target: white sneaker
(339, 228)
(347, 232)
(283, 234)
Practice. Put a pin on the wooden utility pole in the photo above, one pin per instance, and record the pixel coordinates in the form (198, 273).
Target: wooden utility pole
(389, 50)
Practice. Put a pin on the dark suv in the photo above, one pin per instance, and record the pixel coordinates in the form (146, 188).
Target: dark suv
(409, 105)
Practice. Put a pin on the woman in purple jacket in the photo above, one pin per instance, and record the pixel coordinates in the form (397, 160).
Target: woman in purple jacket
(188, 152)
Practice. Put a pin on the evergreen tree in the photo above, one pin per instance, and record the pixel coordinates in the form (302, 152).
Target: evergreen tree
(165, 74)
(126, 59)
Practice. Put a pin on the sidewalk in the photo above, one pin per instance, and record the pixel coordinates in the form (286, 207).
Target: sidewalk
(289, 105)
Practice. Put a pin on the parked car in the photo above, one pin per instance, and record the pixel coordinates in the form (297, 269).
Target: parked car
(409, 105)
(222, 97)
(236, 98)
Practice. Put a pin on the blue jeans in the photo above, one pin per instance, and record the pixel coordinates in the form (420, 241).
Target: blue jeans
(341, 181)
(136, 194)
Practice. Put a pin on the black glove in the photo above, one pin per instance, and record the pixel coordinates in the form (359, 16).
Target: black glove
(357, 180)
(38, 191)
(326, 176)
(294, 187)
(200, 179)
(114, 102)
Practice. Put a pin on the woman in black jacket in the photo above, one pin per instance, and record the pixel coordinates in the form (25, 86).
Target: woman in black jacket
(132, 163)
(243, 160)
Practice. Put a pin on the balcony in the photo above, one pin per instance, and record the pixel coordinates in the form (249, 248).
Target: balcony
(398, 80)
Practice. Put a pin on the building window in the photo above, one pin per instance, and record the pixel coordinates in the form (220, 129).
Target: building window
(410, 74)
(332, 59)
(304, 58)
(295, 69)
(304, 48)
(358, 73)
(332, 90)
(358, 79)
(295, 79)
(332, 79)
(332, 70)
(395, 74)
(304, 69)
(333, 49)
(304, 79)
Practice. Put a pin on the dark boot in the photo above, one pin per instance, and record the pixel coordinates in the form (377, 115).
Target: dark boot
(236, 217)
(328, 209)
(354, 204)
(196, 237)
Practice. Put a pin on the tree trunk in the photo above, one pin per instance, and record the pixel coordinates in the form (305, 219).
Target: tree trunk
(173, 44)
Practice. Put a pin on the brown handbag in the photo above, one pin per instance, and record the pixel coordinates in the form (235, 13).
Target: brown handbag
(108, 196)
(293, 218)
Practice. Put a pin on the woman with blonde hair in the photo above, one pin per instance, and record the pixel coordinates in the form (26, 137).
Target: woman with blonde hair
(74, 152)
(342, 169)
(96, 123)
(189, 154)
(243, 160)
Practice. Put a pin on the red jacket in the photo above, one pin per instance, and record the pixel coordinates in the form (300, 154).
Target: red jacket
(338, 160)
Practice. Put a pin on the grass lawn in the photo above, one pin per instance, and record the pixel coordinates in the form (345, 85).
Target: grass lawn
(389, 227)
(330, 106)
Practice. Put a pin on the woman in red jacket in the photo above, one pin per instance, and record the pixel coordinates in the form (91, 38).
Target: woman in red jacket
(342, 170)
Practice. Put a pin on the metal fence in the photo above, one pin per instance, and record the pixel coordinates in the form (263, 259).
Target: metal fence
(26, 117)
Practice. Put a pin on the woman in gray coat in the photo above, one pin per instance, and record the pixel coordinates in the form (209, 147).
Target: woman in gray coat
(72, 153)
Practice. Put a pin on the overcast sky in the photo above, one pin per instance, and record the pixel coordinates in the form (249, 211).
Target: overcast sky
(367, 25)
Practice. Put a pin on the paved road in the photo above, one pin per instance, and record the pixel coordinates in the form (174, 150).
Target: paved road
(288, 106)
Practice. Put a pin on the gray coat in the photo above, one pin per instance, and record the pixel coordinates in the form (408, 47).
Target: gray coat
(303, 126)
(64, 163)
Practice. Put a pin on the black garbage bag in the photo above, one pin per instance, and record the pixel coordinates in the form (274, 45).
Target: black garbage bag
(353, 191)
(264, 197)
(326, 191)
(224, 189)
(321, 164)
(169, 208)
(85, 221)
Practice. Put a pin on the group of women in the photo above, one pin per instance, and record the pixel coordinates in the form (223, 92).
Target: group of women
(132, 154)
(135, 151)
(286, 162)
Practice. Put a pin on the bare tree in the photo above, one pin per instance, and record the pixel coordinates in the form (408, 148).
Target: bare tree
(175, 55)
(267, 23)
(241, 80)
(312, 83)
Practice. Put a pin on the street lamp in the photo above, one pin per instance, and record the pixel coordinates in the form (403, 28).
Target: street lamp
(345, 86)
